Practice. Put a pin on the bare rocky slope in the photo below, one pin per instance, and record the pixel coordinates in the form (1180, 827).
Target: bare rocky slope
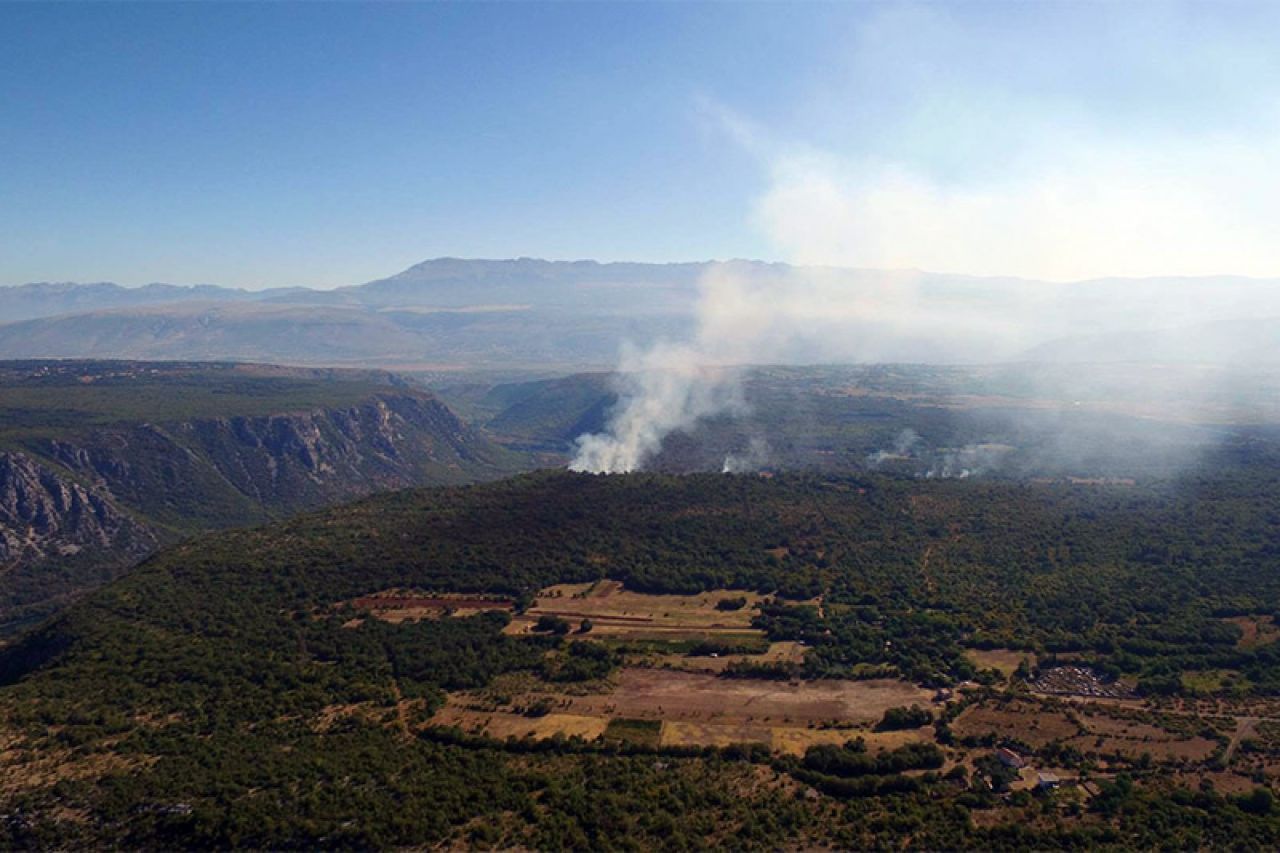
(45, 515)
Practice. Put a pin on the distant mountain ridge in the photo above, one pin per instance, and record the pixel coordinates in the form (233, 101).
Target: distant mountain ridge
(438, 282)
(1246, 341)
(452, 313)
(46, 299)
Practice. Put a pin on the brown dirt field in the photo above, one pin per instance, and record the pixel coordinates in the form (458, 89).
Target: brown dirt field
(1224, 782)
(1003, 660)
(405, 606)
(504, 725)
(795, 740)
(1035, 726)
(786, 651)
(786, 739)
(1121, 728)
(702, 709)
(1196, 749)
(609, 628)
(669, 695)
(1258, 630)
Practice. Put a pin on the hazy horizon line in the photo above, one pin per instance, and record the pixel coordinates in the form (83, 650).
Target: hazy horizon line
(619, 262)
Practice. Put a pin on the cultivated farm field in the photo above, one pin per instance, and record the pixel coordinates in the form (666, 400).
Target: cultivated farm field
(698, 709)
(615, 611)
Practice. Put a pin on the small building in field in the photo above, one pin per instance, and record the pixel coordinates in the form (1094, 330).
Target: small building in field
(1009, 758)
(1046, 781)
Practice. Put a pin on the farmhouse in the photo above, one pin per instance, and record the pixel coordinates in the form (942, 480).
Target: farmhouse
(1046, 781)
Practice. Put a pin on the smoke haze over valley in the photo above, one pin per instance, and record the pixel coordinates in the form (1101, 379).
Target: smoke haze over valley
(1195, 349)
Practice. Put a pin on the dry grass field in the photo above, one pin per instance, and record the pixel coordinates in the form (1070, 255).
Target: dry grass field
(680, 733)
(1103, 730)
(1025, 721)
(783, 652)
(397, 605)
(796, 740)
(699, 697)
(1162, 749)
(501, 725)
(615, 611)
(1004, 661)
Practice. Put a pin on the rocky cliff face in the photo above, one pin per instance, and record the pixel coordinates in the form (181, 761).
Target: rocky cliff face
(215, 472)
(57, 537)
(44, 515)
(388, 441)
(76, 509)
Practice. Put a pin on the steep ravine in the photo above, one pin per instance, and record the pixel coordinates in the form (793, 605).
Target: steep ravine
(77, 509)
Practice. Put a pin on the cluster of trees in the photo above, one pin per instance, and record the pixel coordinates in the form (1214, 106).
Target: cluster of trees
(852, 759)
(896, 719)
(581, 661)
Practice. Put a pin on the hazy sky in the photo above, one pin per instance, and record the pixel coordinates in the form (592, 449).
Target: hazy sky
(328, 144)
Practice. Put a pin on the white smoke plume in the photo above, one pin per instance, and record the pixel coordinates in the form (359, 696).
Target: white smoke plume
(903, 446)
(754, 458)
(671, 387)
(663, 390)
(942, 463)
(968, 461)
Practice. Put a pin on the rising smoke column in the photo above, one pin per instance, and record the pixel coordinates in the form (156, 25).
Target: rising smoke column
(671, 387)
(755, 457)
(663, 390)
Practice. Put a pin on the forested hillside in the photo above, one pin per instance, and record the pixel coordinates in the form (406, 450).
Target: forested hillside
(234, 652)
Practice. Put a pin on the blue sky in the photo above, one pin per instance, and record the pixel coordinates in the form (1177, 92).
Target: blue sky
(326, 144)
